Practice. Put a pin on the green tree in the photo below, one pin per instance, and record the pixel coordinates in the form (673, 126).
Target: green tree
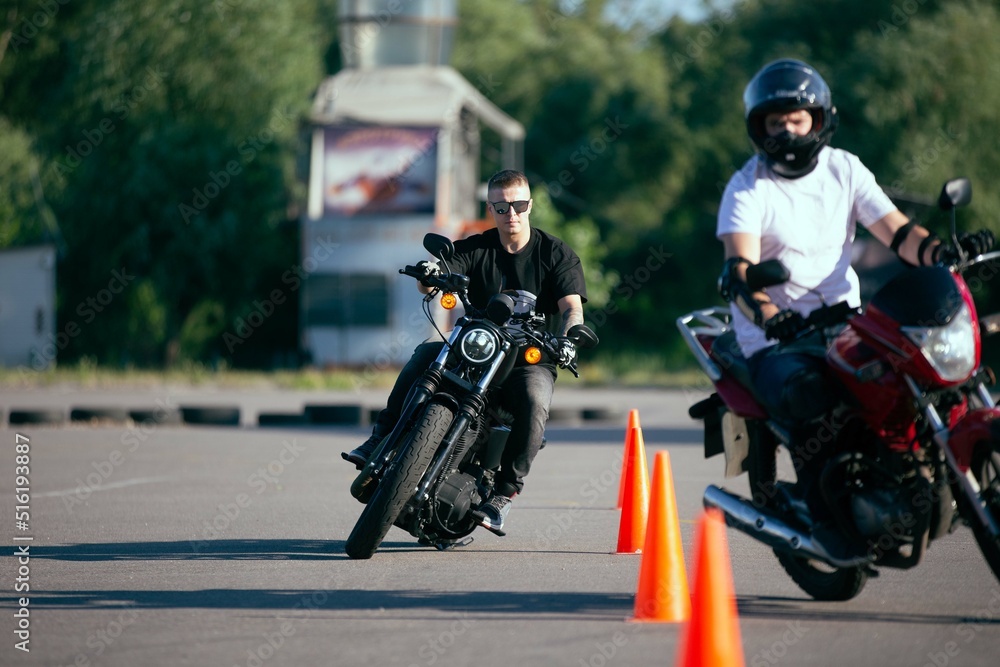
(24, 215)
(173, 130)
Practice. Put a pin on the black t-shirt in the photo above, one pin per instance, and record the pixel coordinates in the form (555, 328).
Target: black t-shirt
(546, 267)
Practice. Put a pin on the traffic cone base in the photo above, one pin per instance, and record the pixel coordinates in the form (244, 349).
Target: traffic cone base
(662, 595)
(712, 636)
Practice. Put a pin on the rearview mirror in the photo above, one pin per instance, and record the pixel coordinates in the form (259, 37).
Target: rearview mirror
(956, 192)
(767, 273)
(439, 246)
(582, 336)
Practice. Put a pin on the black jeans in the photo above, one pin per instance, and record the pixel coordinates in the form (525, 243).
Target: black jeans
(526, 394)
(794, 384)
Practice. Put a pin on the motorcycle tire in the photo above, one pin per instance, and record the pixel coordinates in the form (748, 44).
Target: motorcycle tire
(986, 468)
(401, 479)
(819, 580)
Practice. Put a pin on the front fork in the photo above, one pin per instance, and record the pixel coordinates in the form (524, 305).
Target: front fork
(972, 428)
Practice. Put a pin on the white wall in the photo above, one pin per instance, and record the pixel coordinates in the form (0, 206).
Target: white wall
(27, 307)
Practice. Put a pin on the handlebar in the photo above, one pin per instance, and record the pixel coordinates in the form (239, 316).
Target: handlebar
(459, 284)
(823, 317)
(449, 282)
(828, 316)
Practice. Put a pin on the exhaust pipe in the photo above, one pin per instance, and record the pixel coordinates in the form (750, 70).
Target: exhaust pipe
(772, 531)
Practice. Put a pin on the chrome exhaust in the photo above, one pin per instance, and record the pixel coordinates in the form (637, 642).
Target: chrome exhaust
(772, 531)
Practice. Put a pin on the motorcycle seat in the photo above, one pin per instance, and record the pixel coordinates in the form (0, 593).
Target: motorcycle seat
(726, 353)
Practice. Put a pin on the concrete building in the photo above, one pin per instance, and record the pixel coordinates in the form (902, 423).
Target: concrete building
(396, 145)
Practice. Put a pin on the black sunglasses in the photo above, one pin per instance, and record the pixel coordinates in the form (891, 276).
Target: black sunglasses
(501, 207)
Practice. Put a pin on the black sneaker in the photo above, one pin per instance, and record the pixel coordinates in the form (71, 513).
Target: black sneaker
(492, 513)
(359, 456)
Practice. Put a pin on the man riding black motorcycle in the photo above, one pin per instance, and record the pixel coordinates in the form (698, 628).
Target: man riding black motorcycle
(799, 200)
(513, 256)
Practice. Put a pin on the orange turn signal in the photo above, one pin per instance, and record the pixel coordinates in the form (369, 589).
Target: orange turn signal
(449, 300)
(532, 355)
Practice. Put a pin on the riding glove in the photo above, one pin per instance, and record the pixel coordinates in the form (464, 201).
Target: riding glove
(974, 244)
(784, 325)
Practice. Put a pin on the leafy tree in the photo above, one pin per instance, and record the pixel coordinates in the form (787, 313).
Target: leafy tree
(172, 128)
(24, 215)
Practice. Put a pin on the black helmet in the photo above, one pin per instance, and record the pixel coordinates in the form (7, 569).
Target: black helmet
(786, 85)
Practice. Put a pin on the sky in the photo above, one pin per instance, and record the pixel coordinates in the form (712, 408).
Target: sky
(655, 13)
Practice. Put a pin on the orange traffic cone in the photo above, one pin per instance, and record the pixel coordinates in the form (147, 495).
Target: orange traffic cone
(633, 423)
(635, 507)
(712, 636)
(662, 595)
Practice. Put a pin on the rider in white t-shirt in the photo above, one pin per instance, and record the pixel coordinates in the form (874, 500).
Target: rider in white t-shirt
(799, 200)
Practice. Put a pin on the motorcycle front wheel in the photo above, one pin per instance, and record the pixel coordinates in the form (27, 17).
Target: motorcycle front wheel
(767, 464)
(399, 482)
(986, 469)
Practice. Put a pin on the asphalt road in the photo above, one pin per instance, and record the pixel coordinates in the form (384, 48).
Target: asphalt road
(180, 545)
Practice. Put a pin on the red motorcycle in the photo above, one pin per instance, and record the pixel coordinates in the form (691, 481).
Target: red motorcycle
(913, 451)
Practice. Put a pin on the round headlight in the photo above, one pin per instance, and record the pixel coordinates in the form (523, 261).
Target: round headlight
(478, 345)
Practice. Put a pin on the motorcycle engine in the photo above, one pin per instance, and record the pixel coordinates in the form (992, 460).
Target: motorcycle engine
(881, 510)
(455, 498)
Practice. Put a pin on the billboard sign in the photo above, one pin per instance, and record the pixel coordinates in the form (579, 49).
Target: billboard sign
(377, 169)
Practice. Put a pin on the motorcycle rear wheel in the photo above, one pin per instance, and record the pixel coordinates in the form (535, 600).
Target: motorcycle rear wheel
(986, 468)
(399, 483)
(817, 579)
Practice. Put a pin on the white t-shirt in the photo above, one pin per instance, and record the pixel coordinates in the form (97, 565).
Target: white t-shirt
(809, 224)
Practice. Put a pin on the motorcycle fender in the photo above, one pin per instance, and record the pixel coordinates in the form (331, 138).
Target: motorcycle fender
(714, 440)
(739, 399)
(736, 441)
(975, 426)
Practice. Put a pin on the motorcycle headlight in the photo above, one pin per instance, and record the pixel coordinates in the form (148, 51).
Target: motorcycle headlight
(478, 345)
(950, 349)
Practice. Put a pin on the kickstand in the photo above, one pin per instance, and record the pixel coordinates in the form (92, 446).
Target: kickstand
(444, 545)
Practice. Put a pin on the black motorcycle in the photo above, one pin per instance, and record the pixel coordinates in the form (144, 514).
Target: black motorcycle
(435, 468)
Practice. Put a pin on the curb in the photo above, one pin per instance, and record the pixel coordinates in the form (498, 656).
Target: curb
(211, 416)
(99, 414)
(339, 414)
(321, 414)
(49, 416)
